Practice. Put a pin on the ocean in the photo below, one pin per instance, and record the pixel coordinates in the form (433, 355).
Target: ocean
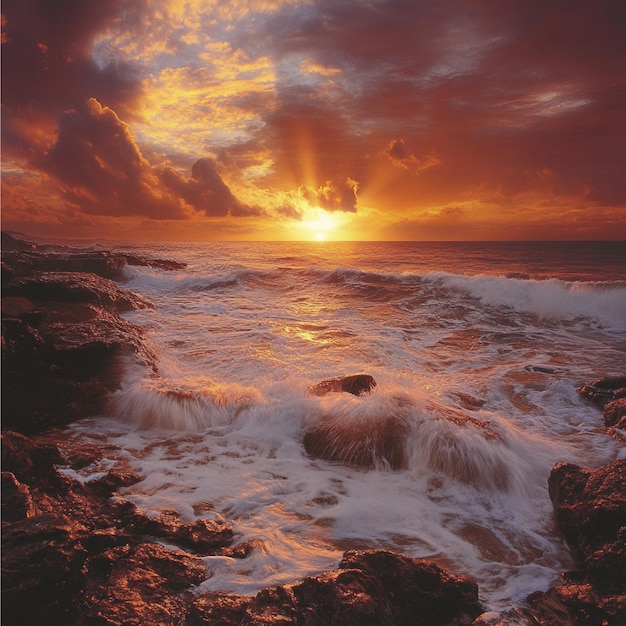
(476, 348)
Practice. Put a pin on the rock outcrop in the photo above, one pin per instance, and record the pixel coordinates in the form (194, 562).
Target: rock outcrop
(590, 507)
(63, 339)
(357, 385)
(609, 394)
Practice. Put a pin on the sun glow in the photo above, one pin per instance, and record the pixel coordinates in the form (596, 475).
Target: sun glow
(319, 225)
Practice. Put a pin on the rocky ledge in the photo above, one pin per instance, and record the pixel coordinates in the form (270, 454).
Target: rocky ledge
(75, 553)
(63, 339)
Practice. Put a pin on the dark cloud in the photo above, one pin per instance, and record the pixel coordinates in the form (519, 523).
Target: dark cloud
(400, 155)
(47, 67)
(491, 92)
(103, 171)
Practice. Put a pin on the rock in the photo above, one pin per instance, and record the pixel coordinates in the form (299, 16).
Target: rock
(73, 556)
(30, 462)
(202, 536)
(357, 385)
(369, 442)
(61, 356)
(17, 502)
(590, 507)
(73, 287)
(373, 588)
(22, 257)
(42, 560)
(615, 413)
(13, 244)
(138, 585)
(604, 389)
(217, 610)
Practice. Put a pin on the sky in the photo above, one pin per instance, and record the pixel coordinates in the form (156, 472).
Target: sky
(314, 120)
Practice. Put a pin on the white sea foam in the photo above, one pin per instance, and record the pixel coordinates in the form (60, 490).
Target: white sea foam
(604, 303)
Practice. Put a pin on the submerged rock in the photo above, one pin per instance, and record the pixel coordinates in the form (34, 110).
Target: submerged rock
(357, 385)
(369, 443)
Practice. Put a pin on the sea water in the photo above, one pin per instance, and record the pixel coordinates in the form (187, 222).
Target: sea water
(476, 349)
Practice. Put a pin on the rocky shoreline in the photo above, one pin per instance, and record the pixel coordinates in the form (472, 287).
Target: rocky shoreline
(75, 553)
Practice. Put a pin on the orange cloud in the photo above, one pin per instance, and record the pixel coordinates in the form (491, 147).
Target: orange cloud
(399, 155)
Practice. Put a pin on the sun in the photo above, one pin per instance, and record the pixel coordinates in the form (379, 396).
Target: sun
(318, 224)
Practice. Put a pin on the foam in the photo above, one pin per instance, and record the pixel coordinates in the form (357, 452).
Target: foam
(604, 303)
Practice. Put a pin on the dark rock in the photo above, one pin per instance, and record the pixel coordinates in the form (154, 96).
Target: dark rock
(615, 413)
(162, 264)
(17, 502)
(357, 385)
(61, 360)
(139, 585)
(369, 443)
(217, 610)
(373, 588)
(42, 560)
(203, 536)
(29, 461)
(73, 287)
(604, 390)
(590, 506)
(13, 244)
(23, 257)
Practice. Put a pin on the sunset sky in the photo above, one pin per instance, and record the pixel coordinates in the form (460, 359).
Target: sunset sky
(320, 119)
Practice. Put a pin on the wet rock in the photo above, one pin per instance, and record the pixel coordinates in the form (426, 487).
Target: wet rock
(138, 585)
(368, 442)
(29, 461)
(604, 390)
(203, 536)
(23, 256)
(73, 287)
(357, 385)
(42, 560)
(17, 502)
(217, 610)
(15, 244)
(72, 555)
(590, 507)
(370, 587)
(61, 357)
(615, 413)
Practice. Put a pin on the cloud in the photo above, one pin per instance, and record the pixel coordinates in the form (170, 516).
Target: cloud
(103, 171)
(425, 104)
(332, 196)
(399, 155)
(47, 66)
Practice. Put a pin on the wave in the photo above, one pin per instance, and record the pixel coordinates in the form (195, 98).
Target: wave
(193, 403)
(185, 282)
(385, 431)
(601, 302)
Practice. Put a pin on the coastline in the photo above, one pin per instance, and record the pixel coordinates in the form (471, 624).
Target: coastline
(114, 568)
